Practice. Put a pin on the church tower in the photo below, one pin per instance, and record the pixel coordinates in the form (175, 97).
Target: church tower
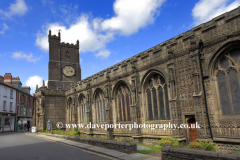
(64, 65)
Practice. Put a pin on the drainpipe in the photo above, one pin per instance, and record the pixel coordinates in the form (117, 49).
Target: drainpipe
(204, 91)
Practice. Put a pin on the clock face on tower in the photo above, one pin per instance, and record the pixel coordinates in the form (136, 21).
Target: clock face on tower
(68, 71)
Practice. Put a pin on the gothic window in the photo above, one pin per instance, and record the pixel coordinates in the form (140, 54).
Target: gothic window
(100, 106)
(123, 103)
(69, 109)
(227, 75)
(82, 109)
(157, 98)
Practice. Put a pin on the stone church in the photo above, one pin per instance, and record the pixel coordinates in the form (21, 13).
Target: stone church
(193, 77)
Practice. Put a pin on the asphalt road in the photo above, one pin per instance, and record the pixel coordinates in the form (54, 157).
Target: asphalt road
(19, 146)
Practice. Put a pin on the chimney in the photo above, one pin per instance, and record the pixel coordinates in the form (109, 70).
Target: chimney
(16, 79)
(8, 78)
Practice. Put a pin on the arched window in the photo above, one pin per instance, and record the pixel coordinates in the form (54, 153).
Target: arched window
(157, 98)
(123, 102)
(82, 109)
(69, 110)
(227, 74)
(100, 106)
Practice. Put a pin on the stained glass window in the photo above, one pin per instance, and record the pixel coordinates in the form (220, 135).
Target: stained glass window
(228, 83)
(120, 107)
(100, 106)
(101, 111)
(155, 104)
(161, 103)
(157, 98)
(83, 109)
(98, 112)
(223, 94)
(128, 107)
(224, 63)
(123, 103)
(235, 54)
(150, 114)
(235, 92)
(104, 116)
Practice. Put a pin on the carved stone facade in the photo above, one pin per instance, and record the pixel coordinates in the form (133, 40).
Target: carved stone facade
(160, 85)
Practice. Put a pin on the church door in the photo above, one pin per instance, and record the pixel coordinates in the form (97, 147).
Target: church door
(193, 130)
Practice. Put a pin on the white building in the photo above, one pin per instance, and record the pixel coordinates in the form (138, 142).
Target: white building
(7, 107)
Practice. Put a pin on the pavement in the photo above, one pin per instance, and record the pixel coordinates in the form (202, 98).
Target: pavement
(143, 148)
(19, 146)
(100, 150)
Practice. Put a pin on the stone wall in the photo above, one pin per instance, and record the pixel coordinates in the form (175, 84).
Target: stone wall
(50, 104)
(228, 147)
(171, 153)
(126, 147)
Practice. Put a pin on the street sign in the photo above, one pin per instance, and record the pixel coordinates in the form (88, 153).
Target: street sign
(33, 129)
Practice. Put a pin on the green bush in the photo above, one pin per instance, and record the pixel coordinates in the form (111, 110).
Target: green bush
(75, 132)
(119, 139)
(165, 141)
(58, 132)
(208, 146)
(195, 145)
(103, 137)
(90, 136)
(43, 131)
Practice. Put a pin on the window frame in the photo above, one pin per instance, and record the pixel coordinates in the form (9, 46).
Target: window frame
(156, 84)
(122, 92)
(4, 105)
(11, 106)
(100, 107)
(11, 94)
(217, 68)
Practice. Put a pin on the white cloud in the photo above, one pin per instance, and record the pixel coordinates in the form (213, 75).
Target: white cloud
(35, 80)
(132, 15)
(104, 53)
(205, 10)
(4, 28)
(18, 8)
(21, 55)
(82, 30)
(93, 35)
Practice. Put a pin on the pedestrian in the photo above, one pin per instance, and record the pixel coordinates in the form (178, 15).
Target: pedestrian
(28, 126)
(25, 127)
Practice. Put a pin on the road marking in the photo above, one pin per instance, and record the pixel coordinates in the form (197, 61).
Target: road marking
(74, 147)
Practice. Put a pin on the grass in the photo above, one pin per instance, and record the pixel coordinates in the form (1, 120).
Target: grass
(153, 149)
(43, 131)
(76, 133)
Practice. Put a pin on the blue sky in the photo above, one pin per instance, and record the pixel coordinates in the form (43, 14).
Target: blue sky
(109, 31)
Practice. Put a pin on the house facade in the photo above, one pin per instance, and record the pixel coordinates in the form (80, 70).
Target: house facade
(18, 105)
(24, 108)
(7, 107)
(191, 78)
